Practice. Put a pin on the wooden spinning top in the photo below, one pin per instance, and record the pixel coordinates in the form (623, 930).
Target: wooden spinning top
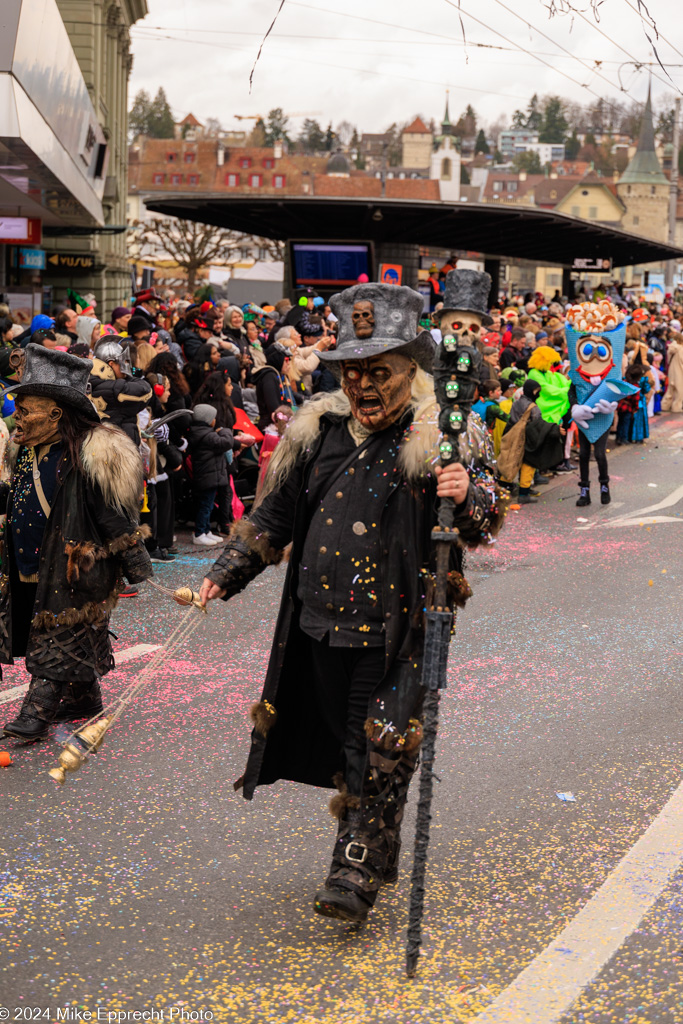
(186, 596)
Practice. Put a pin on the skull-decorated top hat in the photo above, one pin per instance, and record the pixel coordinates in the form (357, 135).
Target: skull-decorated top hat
(54, 374)
(378, 318)
(467, 290)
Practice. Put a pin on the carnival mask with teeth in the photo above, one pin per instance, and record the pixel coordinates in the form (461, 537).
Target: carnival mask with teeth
(378, 388)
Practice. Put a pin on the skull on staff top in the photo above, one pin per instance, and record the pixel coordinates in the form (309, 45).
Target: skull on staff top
(464, 310)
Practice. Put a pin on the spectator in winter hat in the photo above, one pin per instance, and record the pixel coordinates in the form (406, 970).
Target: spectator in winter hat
(119, 319)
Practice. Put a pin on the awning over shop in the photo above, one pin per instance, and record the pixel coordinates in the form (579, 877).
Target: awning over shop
(53, 152)
(523, 232)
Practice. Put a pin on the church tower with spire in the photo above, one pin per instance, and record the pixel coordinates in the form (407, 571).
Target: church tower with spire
(445, 162)
(643, 187)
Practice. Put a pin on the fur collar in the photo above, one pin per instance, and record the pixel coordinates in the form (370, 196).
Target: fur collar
(111, 462)
(419, 447)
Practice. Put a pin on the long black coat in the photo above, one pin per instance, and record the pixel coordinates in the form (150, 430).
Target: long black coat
(91, 542)
(299, 747)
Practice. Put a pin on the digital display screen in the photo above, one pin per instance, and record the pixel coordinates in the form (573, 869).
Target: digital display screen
(330, 265)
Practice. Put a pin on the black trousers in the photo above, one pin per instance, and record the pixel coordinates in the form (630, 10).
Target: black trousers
(600, 453)
(345, 679)
(165, 513)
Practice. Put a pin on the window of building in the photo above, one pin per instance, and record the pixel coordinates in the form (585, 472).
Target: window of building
(158, 179)
(513, 186)
(628, 190)
(232, 180)
(278, 181)
(576, 211)
(190, 158)
(445, 169)
(245, 252)
(553, 194)
(498, 186)
(176, 179)
(593, 212)
(245, 161)
(653, 190)
(262, 253)
(636, 220)
(193, 179)
(268, 163)
(255, 180)
(171, 157)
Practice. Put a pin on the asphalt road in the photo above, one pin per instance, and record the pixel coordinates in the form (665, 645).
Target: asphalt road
(146, 884)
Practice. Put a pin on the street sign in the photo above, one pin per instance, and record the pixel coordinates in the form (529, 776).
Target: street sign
(71, 261)
(390, 273)
(21, 230)
(596, 265)
(32, 259)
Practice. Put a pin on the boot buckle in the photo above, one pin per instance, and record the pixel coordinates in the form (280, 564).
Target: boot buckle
(354, 858)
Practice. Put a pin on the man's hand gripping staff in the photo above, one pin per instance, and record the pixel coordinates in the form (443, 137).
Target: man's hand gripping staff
(455, 383)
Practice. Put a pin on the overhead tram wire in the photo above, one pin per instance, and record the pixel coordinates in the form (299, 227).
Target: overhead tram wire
(441, 41)
(530, 53)
(652, 25)
(620, 47)
(563, 48)
(342, 67)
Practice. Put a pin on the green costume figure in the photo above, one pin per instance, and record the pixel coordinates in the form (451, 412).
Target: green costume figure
(553, 400)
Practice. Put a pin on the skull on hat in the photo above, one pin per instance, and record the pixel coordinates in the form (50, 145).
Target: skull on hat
(363, 318)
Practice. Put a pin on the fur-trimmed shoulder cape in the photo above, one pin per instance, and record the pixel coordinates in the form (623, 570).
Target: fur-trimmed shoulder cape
(419, 448)
(111, 462)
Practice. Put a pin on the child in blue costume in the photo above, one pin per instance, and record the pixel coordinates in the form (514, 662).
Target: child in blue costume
(632, 425)
(596, 346)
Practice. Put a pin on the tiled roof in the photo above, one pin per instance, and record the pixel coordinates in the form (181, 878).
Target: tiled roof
(418, 127)
(328, 186)
(412, 188)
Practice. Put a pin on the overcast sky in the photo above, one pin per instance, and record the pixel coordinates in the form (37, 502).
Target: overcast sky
(372, 62)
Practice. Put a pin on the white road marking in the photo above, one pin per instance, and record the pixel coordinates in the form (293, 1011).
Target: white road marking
(551, 983)
(127, 654)
(641, 516)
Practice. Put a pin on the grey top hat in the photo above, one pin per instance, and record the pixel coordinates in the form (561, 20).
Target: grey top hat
(54, 374)
(469, 291)
(378, 318)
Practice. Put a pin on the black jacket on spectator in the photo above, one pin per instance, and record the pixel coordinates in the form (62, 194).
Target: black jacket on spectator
(207, 448)
(268, 394)
(118, 401)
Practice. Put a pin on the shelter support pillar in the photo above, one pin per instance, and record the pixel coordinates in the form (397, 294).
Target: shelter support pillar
(492, 267)
(567, 283)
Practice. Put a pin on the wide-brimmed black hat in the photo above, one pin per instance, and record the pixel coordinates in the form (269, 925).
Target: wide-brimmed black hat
(467, 290)
(378, 318)
(54, 374)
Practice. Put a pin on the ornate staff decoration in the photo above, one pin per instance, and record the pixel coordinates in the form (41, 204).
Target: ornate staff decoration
(455, 380)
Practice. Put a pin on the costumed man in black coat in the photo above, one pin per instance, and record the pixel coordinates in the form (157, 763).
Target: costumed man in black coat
(352, 486)
(71, 535)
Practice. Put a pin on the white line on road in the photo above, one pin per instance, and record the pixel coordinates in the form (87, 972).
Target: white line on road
(127, 654)
(642, 516)
(546, 989)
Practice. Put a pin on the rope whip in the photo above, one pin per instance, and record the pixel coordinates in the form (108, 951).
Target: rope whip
(87, 739)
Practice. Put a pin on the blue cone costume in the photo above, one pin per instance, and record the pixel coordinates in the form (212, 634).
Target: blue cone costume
(584, 346)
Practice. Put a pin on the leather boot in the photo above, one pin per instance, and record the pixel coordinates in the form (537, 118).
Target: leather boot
(80, 700)
(38, 710)
(368, 841)
(585, 496)
(605, 496)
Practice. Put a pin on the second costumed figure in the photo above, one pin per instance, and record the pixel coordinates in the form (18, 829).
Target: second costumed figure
(596, 335)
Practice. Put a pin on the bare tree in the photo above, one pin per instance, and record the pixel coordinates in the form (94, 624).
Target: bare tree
(193, 245)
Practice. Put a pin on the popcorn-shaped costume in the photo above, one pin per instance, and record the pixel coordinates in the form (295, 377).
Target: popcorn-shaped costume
(596, 336)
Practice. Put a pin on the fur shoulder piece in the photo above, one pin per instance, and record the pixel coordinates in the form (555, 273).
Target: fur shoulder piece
(111, 460)
(419, 448)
